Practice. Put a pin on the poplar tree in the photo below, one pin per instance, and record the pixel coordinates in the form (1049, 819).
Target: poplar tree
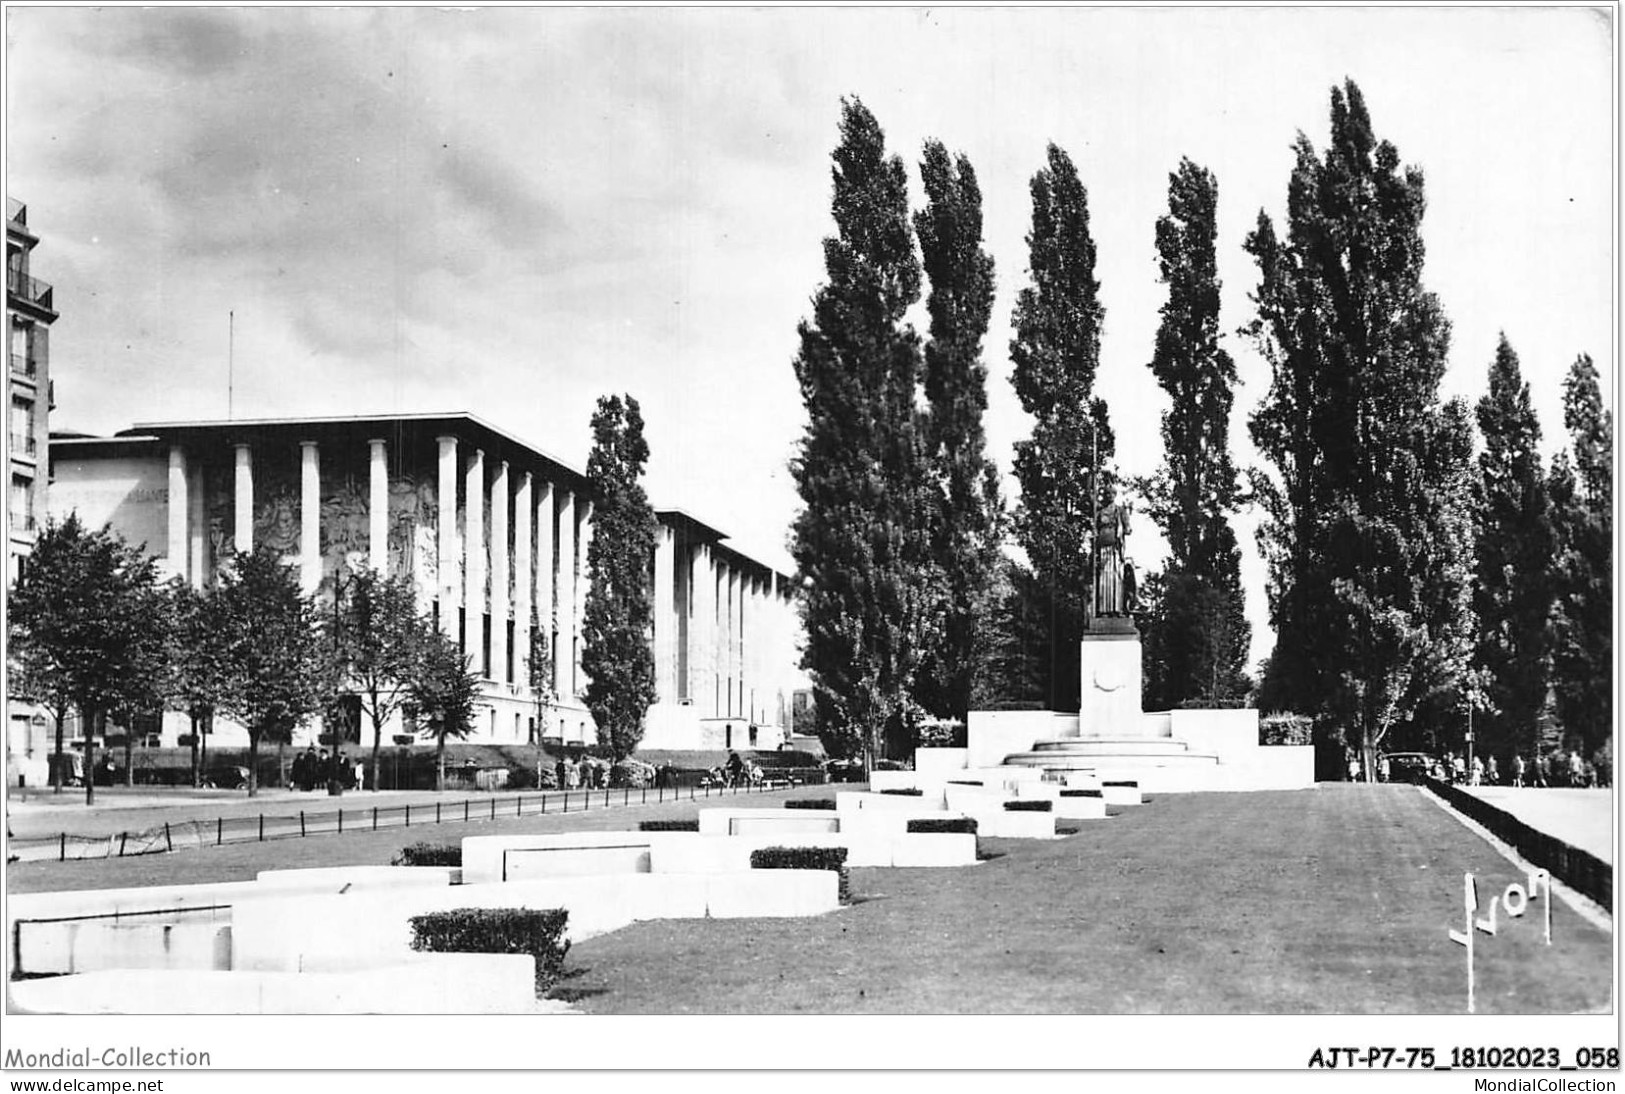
(1368, 536)
(1515, 562)
(1582, 498)
(861, 541)
(965, 521)
(1198, 632)
(1055, 353)
(618, 619)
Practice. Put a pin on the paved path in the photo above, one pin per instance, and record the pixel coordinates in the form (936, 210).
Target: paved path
(1582, 818)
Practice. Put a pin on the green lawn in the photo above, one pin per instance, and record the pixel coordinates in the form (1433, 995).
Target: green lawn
(1333, 900)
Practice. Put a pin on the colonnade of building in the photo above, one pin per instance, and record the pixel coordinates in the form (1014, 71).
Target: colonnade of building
(724, 632)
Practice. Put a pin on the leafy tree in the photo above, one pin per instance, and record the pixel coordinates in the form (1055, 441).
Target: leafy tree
(618, 619)
(1056, 352)
(540, 668)
(1368, 536)
(445, 689)
(376, 635)
(966, 518)
(1203, 634)
(275, 658)
(198, 662)
(861, 541)
(87, 630)
(1581, 490)
(1011, 643)
(1515, 549)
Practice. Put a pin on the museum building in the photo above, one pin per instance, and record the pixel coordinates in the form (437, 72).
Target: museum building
(494, 533)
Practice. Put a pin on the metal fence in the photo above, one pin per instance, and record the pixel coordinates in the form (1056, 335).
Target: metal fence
(261, 827)
(1580, 870)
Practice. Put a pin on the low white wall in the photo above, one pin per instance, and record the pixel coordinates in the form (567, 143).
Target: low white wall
(710, 854)
(850, 801)
(1080, 808)
(336, 933)
(1121, 795)
(486, 858)
(938, 761)
(994, 734)
(1004, 824)
(93, 946)
(1229, 734)
(337, 878)
(419, 984)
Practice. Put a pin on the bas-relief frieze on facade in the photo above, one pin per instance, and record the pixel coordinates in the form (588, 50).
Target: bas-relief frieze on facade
(219, 490)
(276, 502)
(343, 528)
(414, 518)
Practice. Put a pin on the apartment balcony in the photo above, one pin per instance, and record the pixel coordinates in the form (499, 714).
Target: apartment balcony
(29, 290)
(23, 364)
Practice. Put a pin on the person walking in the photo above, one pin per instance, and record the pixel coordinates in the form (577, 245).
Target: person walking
(1492, 772)
(1542, 770)
(1517, 769)
(734, 767)
(1478, 770)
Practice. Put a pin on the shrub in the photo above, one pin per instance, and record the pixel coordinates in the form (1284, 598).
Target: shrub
(429, 854)
(890, 765)
(536, 931)
(943, 824)
(906, 791)
(1120, 782)
(691, 825)
(810, 803)
(1031, 805)
(1286, 729)
(1081, 794)
(964, 782)
(632, 773)
(803, 858)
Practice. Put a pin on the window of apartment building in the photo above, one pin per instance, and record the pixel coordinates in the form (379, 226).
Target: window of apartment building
(22, 426)
(485, 647)
(22, 504)
(508, 668)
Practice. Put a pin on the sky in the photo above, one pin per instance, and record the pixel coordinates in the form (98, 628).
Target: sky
(515, 211)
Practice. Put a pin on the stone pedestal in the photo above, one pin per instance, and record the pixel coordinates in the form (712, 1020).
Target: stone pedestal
(1109, 705)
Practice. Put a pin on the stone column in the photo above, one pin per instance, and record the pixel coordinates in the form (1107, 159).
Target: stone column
(731, 658)
(474, 563)
(243, 503)
(564, 650)
(377, 507)
(198, 525)
(446, 560)
(310, 515)
(546, 620)
(179, 511)
(583, 583)
(524, 573)
(499, 574)
(665, 616)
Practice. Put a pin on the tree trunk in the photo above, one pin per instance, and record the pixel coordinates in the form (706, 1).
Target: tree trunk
(89, 720)
(197, 731)
(56, 763)
(204, 725)
(281, 759)
(253, 761)
(440, 763)
(129, 753)
(377, 745)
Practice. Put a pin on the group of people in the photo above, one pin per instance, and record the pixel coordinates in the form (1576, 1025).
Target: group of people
(312, 769)
(1542, 771)
(582, 773)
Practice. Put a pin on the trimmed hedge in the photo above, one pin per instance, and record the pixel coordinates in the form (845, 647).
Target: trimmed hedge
(943, 824)
(906, 791)
(810, 803)
(692, 825)
(1121, 782)
(964, 782)
(536, 931)
(804, 858)
(1031, 805)
(1082, 794)
(429, 854)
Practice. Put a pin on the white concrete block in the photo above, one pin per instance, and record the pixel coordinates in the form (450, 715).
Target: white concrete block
(420, 984)
(1120, 795)
(1003, 824)
(95, 946)
(848, 800)
(785, 822)
(1030, 790)
(935, 849)
(773, 893)
(891, 780)
(487, 858)
(940, 761)
(350, 878)
(1080, 808)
